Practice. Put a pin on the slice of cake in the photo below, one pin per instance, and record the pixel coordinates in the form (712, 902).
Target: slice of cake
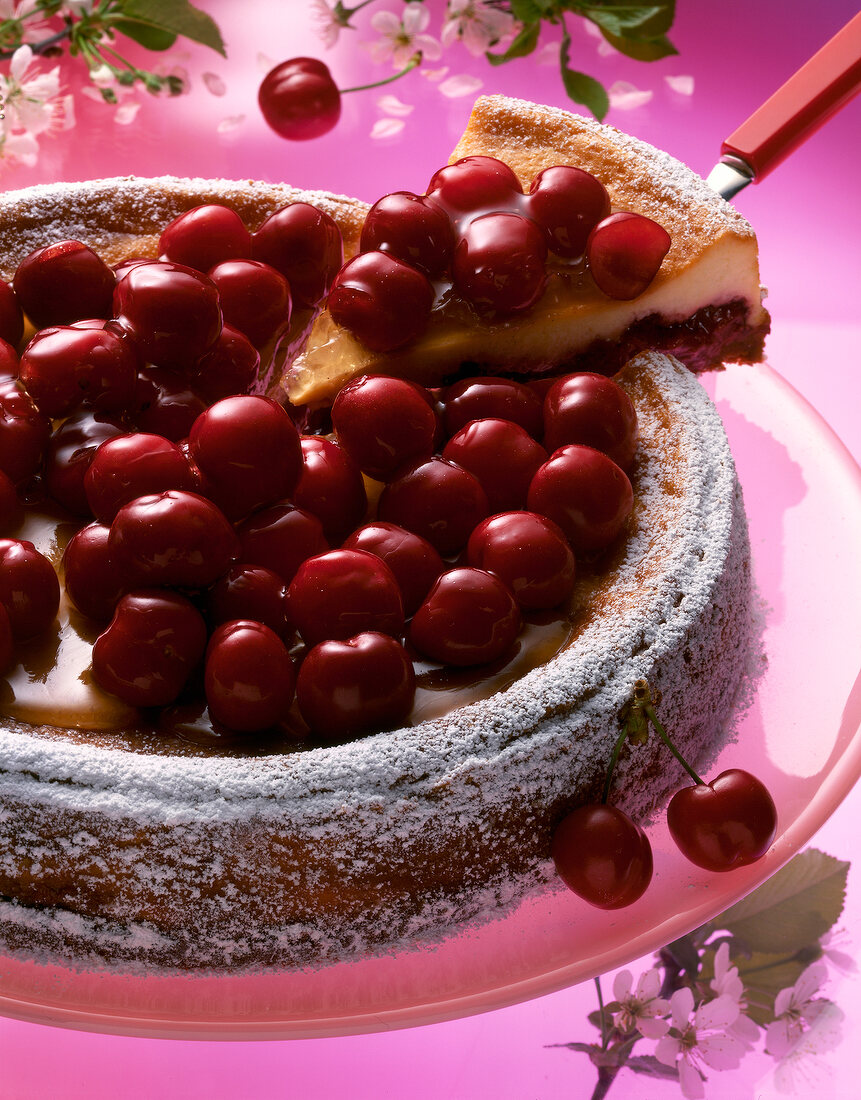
(704, 305)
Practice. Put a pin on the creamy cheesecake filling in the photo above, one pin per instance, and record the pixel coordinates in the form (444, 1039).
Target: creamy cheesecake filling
(569, 320)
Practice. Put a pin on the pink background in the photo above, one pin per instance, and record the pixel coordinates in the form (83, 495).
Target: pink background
(809, 226)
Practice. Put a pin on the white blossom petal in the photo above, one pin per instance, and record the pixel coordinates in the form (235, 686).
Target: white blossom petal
(457, 86)
(625, 97)
(391, 105)
(386, 128)
(681, 85)
(622, 985)
(214, 84)
(229, 124)
(667, 1050)
(690, 1080)
(125, 114)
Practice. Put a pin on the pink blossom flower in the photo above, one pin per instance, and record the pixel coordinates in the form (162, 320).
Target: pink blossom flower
(401, 39)
(31, 30)
(700, 1037)
(796, 1008)
(328, 22)
(726, 982)
(479, 25)
(34, 104)
(642, 1008)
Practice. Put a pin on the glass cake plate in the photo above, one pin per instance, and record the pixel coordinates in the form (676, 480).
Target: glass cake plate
(801, 736)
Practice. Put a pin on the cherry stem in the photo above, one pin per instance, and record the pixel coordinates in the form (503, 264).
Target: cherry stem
(601, 1012)
(644, 701)
(413, 62)
(614, 759)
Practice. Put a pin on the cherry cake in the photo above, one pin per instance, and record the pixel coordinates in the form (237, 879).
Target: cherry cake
(154, 814)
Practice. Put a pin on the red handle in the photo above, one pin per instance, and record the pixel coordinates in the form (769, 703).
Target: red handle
(797, 109)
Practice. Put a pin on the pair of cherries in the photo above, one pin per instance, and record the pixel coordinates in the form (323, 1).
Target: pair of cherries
(605, 857)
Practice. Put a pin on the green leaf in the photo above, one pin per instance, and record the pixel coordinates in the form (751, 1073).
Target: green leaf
(649, 1066)
(792, 909)
(764, 975)
(621, 17)
(527, 11)
(177, 17)
(581, 87)
(651, 49)
(522, 46)
(152, 38)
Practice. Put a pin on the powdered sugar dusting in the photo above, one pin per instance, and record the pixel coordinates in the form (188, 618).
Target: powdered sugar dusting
(303, 859)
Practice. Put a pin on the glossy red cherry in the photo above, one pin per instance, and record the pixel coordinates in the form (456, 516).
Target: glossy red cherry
(165, 404)
(281, 538)
(11, 510)
(133, 466)
(7, 642)
(412, 228)
(567, 203)
(173, 538)
(9, 362)
(585, 493)
(593, 410)
(299, 99)
(344, 592)
(625, 252)
(11, 315)
(205, 236)
(62, 283)
(501, 455)
(69, 453)
(412, 559)
(249, 452)
(438, 500)
(355, 686)
(255, 298)
(248, 679)
(469, 617)
(29, 589)
(382, 301)
(66, 368)
(230, 367)
(24, 432)
(529, 553)
(331, 486)
(250, 592)
(384, 424)
(305, 245)
(499, 262)
(93, 579)
(724, 824)
(603, 856)
(475, 183)
(153, 643)
(172, 312)
(477, 398)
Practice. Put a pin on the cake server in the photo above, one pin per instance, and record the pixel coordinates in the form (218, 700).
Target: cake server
(796, 110)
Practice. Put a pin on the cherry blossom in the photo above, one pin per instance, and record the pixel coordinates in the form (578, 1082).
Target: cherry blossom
(479, 25)
(401, 39)
(700, 1037)
(726, 982)
(328, 22)
(32, 30)
(802, 1071)
(34, 104)
(795, 1009)
(642, 1008)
